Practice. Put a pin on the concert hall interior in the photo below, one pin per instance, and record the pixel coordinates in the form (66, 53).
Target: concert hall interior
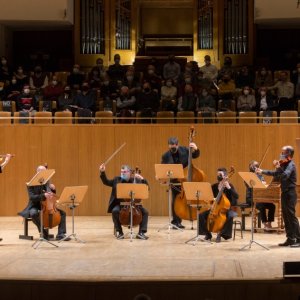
(96, 88)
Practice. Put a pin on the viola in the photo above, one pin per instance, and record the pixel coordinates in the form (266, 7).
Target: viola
(217, 216)
(125, 212)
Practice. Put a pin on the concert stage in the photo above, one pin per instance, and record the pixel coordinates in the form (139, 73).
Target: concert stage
(164, 267)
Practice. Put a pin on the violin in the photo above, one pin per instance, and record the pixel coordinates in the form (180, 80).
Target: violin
(282, 162)
(125, 212)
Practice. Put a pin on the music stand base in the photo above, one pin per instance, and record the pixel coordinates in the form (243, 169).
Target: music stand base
(196, 239)
(74, 236)
(41, 240)
(170, 226)
(250, 243)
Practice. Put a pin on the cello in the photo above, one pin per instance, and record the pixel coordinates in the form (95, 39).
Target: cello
(182, 209)
(137, 216)
(217, 216)
(51, 214)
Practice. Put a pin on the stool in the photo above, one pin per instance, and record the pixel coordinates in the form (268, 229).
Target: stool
(237, 222)
(25, 236)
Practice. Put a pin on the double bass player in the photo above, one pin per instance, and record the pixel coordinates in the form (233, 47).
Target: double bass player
(178, 155)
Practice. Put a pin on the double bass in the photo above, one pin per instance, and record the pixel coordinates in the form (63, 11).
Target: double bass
(217, 216)
(137, 216)
(192, 174)
(51, 214)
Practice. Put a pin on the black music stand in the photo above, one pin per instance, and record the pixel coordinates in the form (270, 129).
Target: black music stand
(255, 183)
(200, 195)
(167, 172)
(41, 178)
(132, 191)
(71, 197)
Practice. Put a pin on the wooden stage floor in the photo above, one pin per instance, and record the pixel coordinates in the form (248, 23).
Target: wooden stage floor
(163, 267)
(163, 257)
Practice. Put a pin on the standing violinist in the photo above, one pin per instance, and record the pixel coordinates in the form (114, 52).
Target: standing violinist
(285, 171)
(231, 194)
(178, 155)
(32, 210)
(114, 206)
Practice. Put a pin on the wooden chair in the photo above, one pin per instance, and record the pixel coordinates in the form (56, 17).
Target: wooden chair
(226, 117)
(185, 117)
(53, 105)
(63, 117)
(247, 117)
(24, 120)
(206, 117)
(288, 116)
(232, 105)
(165, 117)
(104, 117)
(5, 117)
(114, 106)
(273, 118)
(13, 106)
(42, 117)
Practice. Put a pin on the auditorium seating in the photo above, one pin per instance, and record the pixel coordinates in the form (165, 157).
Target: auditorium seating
(5, 117)
(63, 117)
(165, 117)
(226, 117)
(104, 117)
(288, 116)
(185, 117)
(247, 117)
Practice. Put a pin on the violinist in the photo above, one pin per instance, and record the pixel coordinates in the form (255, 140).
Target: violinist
(285, 171)
(5, 162)
(266, 219)
(114, 206)
(178, 155)
(232, 195)
(32, 210)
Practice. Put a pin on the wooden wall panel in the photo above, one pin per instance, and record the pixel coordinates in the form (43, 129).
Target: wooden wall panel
(76, 151)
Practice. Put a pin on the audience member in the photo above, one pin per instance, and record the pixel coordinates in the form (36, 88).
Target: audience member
(246, 101)
(207, 102)
(244, 78)
(5, 71)
(65, 100)
(263, 78)
(116, 71)
(86, 99)
(38, 80)
(53, 90)
(76, 78)
(188, 101)
(132, 82)
(168, 95)
(26, 102)
(171, 69)
(94, 78)
(227, 68)
(152, 77)
(209, 71)
(265, 101)
(226, 87)
(296, 81)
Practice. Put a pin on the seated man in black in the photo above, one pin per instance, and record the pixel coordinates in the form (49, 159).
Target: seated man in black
(32, 210)
(221, 188)
(114, 206)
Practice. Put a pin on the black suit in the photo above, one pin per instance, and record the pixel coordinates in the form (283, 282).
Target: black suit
(36, 195)
(180, 157)
(114, 203)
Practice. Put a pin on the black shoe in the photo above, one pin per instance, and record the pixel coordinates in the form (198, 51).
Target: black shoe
(288, 242)
(218, 239)
(207, 237)
(120, 235)
(179, 225)
(142, 236)
(1, 239)
(296, 245)
(62, 237)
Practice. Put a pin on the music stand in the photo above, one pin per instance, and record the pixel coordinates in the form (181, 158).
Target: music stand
(169, 172)
(200, 195)
(132, 191)
(39, 179)
(255, 183)
(71, 197)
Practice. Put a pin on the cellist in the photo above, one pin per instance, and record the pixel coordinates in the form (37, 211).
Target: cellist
(114, 206)
(32, 210)
(178, 155)
(231, 194)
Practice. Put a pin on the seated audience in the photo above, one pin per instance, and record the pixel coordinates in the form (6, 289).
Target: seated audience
(263, 78)
(246, 101)
(76, 78)
(168, 95)
(207, 103)
(188, 101)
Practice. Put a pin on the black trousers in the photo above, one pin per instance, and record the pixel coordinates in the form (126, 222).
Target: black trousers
(176, 219)
(288, 206)
(263, 207)
(116, 213)
(226, 231)
(35, 215)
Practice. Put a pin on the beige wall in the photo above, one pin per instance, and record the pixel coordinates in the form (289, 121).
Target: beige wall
(75, 152)
(276, 9)
(36, 10)
(167, 21)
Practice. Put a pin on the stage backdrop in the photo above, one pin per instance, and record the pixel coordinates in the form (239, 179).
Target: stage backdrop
(76, 151)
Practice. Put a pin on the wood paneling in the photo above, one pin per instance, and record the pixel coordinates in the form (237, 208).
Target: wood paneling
(76, 152)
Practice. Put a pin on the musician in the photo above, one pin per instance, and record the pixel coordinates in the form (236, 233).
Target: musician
(232, 195)
(266, 219)
(178, 155)
(32, 210)
(114, 203)
(5, 162)
(285, 170)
